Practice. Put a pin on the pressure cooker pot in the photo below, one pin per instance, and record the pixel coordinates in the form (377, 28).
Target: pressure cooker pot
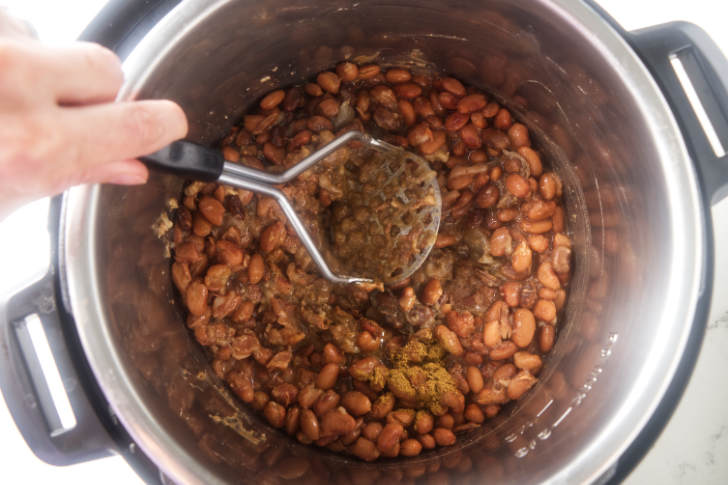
(605, 105)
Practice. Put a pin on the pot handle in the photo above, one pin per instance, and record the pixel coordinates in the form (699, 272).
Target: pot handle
(41, 385)
(121, 24)
(707, 70)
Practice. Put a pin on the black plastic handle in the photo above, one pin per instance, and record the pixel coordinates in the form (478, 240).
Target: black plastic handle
(121, 24)
(27, 392)
(707, 68)
(188, 160)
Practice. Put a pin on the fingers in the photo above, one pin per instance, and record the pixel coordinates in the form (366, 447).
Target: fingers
(105, 133)
(79, 73)
(82, 73)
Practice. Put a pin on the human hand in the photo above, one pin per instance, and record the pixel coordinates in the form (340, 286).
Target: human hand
(60, 126)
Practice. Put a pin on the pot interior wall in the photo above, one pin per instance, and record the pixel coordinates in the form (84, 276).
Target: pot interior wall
(583, 117)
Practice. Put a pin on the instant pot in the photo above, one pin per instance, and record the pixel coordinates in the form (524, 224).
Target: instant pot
(605, 104)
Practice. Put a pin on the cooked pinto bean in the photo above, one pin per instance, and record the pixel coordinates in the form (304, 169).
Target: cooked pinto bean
(275, 414)
(329, 82)
(546, 337)
(196, 298)
(272, 99)
(449, 340)
(212, 209)
(527, 361)
(326, 363)
(521, 383)
(475, 379)
(444, 437)
(365, 449)
(327, 377)
(397, 75)
(347, 71)
(432, 292)
(356, 403)
(524, 327)
(388, 439)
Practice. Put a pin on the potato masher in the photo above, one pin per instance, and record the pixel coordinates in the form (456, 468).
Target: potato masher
(195, 161)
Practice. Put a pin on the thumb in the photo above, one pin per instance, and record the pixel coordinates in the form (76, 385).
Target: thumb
(125, 172)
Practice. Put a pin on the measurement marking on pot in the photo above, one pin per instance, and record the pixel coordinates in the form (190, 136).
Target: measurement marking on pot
(581, 394)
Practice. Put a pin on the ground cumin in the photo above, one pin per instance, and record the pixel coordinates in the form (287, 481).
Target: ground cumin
(417, 374)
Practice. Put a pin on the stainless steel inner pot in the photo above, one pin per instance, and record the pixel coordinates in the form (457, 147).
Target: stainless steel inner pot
(636, 218)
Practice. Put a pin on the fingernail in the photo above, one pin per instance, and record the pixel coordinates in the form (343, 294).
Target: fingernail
(128, 179)
(173, 118)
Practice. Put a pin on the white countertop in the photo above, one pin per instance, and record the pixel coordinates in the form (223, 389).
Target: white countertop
(693, 448)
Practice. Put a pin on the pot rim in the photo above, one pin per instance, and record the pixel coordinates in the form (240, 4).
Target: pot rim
(80, 279)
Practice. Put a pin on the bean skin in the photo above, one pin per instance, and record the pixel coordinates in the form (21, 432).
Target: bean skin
(522, 258)
(471, 103)
(533, 159)
(398, 75)
(181, 276)
(212, 209)
(327, 377)
(200, 225)
(329, 82)
(407, 112)
(427, 440)
(367, 342)
(449, 340)
(356, 403)
(527, 361)
(328, 401)
(364, 449)
(308, 396)
(521, 383)
(547, 185)
(473, 413)
(538, 243)
(196, 298)
(347, 71)
(546, 336)
(272, 99)
(275, 414)
(524, 327)
(407, 299)
(408, 90)
(410, 447)
(332, 354)
(475, 379)
(423, 422)
(368, 71)
(545, 310)
(388, 440)
(488, 196)
(444, 437)
(456, 121)
(517, 185)
(432, 292)
(503, 350)
(547, 277)
(503, 119)
(272, 237)
(372, 429)
(256, 269)
(454, 86)
(336, 422)
(518, 134)
(292, 420)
